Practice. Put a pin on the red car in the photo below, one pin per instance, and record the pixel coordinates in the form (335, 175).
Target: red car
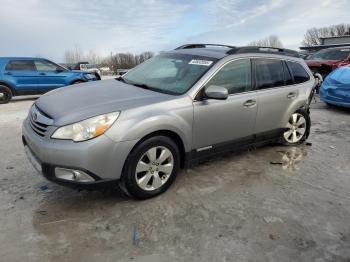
(326, 60)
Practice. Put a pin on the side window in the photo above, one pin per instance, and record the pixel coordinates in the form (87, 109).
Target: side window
(42, 65)
(269, 73)
(20, 65)
(287, 76)
(299, 73)
(235, 76)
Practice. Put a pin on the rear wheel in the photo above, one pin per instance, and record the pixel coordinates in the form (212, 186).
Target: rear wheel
(5, 94)
(297, 128)
(151, 167)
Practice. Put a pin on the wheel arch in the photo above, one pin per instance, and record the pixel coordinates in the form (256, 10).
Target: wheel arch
(76, 80)
(13, 91)
(173, 136)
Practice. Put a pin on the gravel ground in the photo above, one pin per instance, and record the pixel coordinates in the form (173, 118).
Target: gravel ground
(274, 203)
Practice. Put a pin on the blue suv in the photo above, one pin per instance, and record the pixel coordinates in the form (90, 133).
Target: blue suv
(31, 76)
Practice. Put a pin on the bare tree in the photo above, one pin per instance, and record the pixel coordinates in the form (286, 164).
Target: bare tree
(270, 41)
(313, 35)
(127, 60)
(73, 56)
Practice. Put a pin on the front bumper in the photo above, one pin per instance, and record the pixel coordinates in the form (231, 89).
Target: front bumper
(102, 158)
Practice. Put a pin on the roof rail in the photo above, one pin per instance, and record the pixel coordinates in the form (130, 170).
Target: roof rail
(263, 49)
(188, 46)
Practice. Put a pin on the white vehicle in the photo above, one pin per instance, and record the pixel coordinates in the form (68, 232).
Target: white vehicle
(86, 67)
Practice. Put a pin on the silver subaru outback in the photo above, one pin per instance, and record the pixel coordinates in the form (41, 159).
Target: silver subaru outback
(138, 130)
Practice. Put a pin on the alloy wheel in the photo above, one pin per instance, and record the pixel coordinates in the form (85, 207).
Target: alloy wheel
(154, 168)
(296, 128)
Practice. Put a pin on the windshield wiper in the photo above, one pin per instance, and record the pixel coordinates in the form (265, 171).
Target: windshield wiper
(121, 79)
(144, 86)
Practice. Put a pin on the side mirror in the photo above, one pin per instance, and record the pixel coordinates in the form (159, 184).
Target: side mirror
(216, 92)
(59, 70)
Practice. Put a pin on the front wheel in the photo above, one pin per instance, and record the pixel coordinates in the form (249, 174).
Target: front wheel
(151, 167)
(297, 128)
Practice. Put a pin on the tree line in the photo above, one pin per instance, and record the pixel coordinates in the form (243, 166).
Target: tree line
(114, 61)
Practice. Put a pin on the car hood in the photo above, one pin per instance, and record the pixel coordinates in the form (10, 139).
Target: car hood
(78, 102)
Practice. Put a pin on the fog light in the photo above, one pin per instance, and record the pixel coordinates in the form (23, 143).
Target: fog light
(72, 175)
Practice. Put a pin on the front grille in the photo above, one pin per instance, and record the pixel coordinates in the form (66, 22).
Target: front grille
(38, 128)
(38, 121)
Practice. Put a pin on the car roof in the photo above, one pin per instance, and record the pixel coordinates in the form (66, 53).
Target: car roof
(335, 48)
(217, 53)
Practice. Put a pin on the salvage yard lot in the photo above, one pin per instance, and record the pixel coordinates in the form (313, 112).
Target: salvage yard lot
(274, 203)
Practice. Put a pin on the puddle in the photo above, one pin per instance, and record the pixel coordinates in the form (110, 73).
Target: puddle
(291, 158)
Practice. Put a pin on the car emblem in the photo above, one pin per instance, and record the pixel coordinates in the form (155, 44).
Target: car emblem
(34, 116)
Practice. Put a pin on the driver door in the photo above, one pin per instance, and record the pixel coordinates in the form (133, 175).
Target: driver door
(230, 122)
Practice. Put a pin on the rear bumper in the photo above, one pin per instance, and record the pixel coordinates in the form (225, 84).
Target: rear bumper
(101, 157)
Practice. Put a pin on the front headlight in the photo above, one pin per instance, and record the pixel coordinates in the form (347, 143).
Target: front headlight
(86, 129)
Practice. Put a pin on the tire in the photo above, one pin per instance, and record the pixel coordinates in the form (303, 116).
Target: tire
(5, 94)
(298, 128)
(98, 77)
(78, 82)
(143, 175)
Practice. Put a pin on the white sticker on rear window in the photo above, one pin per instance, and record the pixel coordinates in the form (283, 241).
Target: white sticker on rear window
(344, 50)
(200, 62)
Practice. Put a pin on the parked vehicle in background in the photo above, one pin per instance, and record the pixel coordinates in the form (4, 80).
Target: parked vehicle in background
(91, 68)
(166, 113)
(31, 76)
(335, 89)
(121, 72)
(326, 60)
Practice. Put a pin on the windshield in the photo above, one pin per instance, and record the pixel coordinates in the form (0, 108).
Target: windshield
(169, 73)
(331, 54)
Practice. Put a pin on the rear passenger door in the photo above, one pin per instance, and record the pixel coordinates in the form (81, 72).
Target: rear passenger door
(21, 74)
(276, 94)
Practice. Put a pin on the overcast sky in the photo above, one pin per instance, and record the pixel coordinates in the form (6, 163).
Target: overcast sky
(48, 27)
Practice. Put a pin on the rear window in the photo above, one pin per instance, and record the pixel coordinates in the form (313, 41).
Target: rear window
(269, 73)
(20, 65)
(299, 73)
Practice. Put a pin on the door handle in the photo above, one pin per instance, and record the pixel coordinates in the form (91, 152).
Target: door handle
(8, 73)
(249, 103)
(291, 95)
(42, 74)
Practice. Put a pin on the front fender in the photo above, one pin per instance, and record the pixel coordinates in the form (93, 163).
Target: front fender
(135, 128)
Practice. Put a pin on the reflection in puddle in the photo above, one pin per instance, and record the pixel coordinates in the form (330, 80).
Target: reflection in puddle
(291, 157)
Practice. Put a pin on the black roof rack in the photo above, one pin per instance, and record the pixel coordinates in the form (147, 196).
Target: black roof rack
(188, 46)
(245, 49)
(263, 49)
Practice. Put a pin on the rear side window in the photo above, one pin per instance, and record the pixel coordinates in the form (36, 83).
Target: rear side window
(20, 65)
(287, 75)
(269, 73)
(299, 73)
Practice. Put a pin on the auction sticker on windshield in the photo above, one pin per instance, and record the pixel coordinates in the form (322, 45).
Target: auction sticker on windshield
(200, 62)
